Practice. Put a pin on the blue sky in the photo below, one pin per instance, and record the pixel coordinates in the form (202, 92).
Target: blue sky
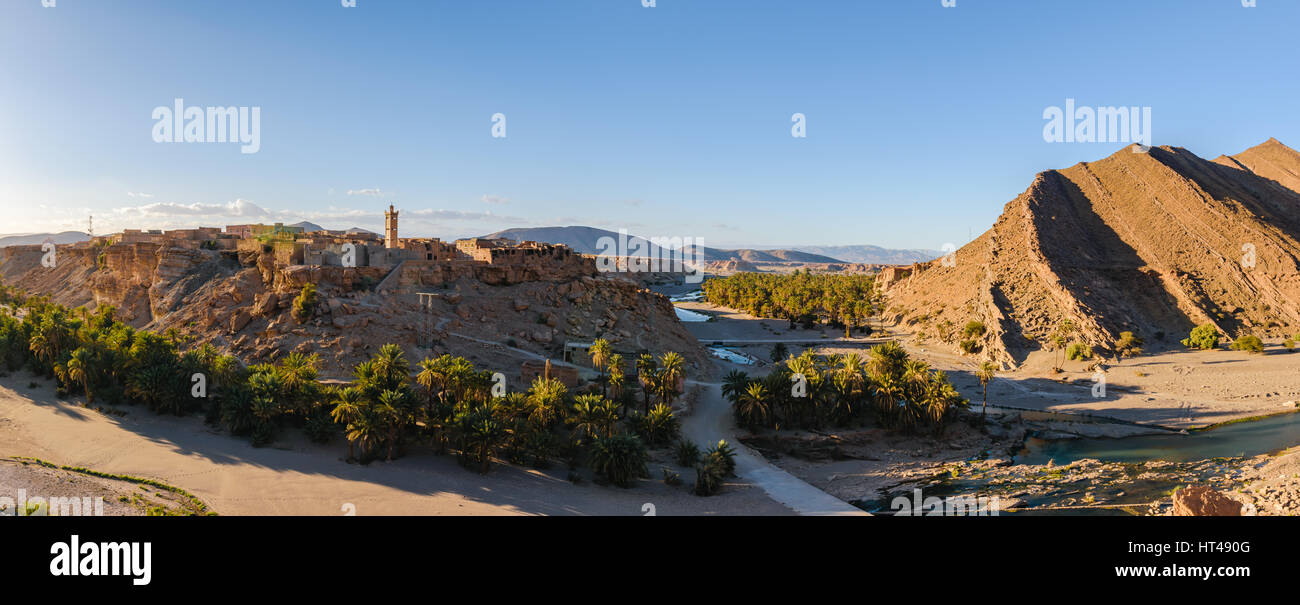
(922, 121)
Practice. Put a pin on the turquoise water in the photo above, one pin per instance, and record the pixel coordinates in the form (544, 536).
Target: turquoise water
(731, 356)
(687, 315)
(1240, 439)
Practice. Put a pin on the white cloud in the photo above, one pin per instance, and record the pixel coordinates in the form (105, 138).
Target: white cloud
(143, 195)
(172, 215)
(376, 192)
(238, 208)
(493, 199)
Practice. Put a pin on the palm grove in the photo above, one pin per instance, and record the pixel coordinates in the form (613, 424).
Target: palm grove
(801, 297)
(388, 406)
(813, 392)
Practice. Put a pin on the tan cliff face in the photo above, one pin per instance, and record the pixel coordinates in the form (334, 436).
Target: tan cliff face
(241, 302)
(1152, 243)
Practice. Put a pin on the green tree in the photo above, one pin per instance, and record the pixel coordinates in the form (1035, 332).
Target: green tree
(1128, 345)
(600, 352)
(779, 352)
(348, 409)
(304, 306)
(1248, 342)
(81, 368)
(986, 372)
(671, 373)
(752, 408)
(646, 373)
(1203, 337)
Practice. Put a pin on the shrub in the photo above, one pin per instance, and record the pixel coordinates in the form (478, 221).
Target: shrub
(728, 455)
(1078, 352)
(657, 427)
(304, 306)
(319, 428)
(709, 474)
(970, 346)
(974, 329)
(687, 453)
(671, 477)
(1203, 337)
(1249, 342)
(1128, 345)
(779, 352)
(1289, 344)
(620, 458)
(717, 464)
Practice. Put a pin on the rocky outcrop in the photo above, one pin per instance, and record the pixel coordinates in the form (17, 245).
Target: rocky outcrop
(1204, 501)
(239, 301)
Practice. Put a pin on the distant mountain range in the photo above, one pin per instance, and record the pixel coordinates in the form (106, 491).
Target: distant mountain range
(874, 255)
(27, 239)
(309, 226)
(72, 237)
(585, 240)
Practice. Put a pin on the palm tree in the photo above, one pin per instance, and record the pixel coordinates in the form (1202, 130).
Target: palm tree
(479, 433)
(752, 408)
(391, 366)
(433, 377)
(364, 430)
(390, 410)
(600, 353)
(348, 409)
(672, 372)
(645, 375)
(298, 369)
(985, 373)
(80, 367)
(225, 371)
(544, 400)
(41, 346)
(616, 378)
(297, 373)
(734, 384)
(591, 418)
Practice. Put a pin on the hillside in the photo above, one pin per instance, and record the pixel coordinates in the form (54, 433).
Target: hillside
(1152, 243)
(28, 239)
(241, 303)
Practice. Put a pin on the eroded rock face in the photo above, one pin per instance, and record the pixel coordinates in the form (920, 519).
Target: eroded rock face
(1153, 243)
(240, 301)
(1203, 501)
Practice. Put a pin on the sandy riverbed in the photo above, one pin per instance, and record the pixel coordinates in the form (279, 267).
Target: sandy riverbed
(295, 477)
(1171, 390)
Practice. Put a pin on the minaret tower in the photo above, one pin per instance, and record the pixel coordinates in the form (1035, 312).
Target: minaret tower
(390, 227)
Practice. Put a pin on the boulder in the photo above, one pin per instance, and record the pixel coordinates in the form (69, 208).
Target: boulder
(239, 320)
(265, 305)
(1204, 501)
